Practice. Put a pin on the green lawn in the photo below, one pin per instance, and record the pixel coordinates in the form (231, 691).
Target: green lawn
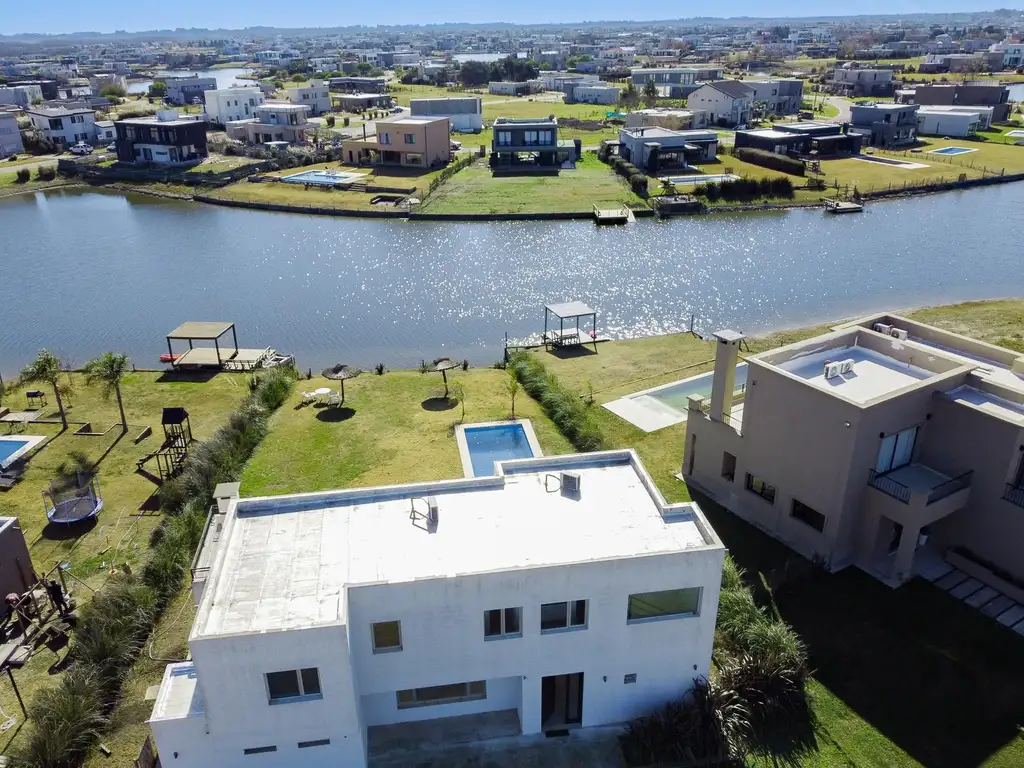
(477, 190)
(907, 677)
(122, 533)
(403, 93)
(12, 162)
(390, 431)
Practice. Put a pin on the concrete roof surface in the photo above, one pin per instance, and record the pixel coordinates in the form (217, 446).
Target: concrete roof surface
(286, 563)
(873, 374)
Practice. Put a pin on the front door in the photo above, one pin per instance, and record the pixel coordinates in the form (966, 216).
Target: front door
(561, 701)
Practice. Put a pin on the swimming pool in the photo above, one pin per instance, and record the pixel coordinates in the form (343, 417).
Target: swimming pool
(326, 178)
(13, 448)
(678, 395)
(483, 444)
(890, 161)
(703, 178)
(951, 151)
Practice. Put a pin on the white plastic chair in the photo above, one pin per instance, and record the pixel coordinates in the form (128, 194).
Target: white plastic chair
(308, 397)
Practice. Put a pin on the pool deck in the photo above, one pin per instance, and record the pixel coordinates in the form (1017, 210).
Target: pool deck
(645, 412)
(31, 442)
(467, 459)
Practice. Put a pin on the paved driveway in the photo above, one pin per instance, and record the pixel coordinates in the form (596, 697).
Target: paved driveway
(589, 748)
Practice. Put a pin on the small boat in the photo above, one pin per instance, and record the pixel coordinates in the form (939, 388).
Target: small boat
(166, 357)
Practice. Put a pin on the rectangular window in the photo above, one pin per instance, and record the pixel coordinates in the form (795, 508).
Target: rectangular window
(809, 516)
(442, 694)
(896, 450)
(387, 636)
(669, 603)
(410, 138)
(316, 743)
(569, 615)
(502, 622)
(728, 466)
(385, 138)
(757, 485)
(293, 685)
(258, 750)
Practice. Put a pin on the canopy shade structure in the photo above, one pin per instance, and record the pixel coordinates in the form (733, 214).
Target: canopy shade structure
(341, 372)
(202, 331)
(567, 333)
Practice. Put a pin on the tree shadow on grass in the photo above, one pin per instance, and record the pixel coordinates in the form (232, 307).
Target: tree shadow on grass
(335, 414)
(438, 404)
(68, 531)
(788, 740)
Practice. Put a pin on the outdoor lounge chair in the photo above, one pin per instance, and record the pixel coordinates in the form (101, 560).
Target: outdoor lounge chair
(9, 477)
(334, 399)
(309, 397)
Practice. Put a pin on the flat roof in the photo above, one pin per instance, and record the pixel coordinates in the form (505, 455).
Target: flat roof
(873, 374)
(198, 329)
(569, 309)
(405, 120)
(769, 133)
(358, 95)
(285, 562)
(657, 132)
(154, 120)
(986, 401)
(179, 695)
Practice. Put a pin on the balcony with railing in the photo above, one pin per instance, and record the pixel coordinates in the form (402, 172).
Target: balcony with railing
(735, 416)
(1014, 494)
(923, 489)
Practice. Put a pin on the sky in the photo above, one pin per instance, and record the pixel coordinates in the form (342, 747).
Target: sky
(62, 16)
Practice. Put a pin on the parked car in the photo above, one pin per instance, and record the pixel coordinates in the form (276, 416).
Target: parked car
(112, 147)
(81, 148)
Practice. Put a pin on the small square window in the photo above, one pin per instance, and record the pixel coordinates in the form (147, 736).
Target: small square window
(387, 636)
(283, 685)
(310, 681)
(570, 615)
(502, 622)
(629, 679)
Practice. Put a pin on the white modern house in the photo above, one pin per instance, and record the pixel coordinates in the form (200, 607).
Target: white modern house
(562, 592)
(727, 101)
(598, 93)
(465, 113)
(316, 96)
(955, 121)
(228, 104)
(10, 135)
(64, 126)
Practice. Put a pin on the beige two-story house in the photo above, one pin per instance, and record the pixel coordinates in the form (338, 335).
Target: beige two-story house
(884, 444)
(423, 142)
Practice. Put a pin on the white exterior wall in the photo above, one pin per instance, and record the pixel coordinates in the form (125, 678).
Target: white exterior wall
(10, 135)
(70, 133)
(957, 124)
(717, 104)
(600, 94)
(222, 108)
(316, 97)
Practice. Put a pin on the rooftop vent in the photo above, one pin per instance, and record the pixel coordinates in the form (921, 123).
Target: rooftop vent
(430, 517)
(570, 482)
(432, 514)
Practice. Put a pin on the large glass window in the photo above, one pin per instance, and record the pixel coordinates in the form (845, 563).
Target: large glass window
(757, 485)
(442, 694)
(668, 603)
(568, 615)
(896, 450)
(293, 685)
(387, 636)
(503, 622)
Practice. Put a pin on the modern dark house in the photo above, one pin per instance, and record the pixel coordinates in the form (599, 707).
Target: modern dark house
(886, 125)
(961, 95)
(817, 140)
(161, 140)
(527, 142)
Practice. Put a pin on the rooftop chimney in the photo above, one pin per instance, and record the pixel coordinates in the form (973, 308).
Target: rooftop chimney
(727, 345)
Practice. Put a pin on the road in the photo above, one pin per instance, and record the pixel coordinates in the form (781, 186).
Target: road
(843, 106)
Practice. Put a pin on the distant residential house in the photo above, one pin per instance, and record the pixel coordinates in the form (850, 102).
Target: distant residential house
(509, 88)
(315, 95)
(272, 121)
(101, 80)
(585, 93)
(226, 105)
(464, 113)
(354, 102)
(1013, 55)
(162, 139)
(962, 95)
(183, 90)
(665, 117)
(423, 142)
(959, 122)
(20, 95)
(524, 142)
(64, 127)
(10, 135)
(886, 125)
(728, 101)
(781, 96)
(652, 149)
(805, 139)
(848, 81)
(673, 82)
(356, 84)
(105, 131)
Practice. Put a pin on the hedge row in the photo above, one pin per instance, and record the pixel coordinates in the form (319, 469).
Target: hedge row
(637, 179)
(745, 190)
(770, 160)
(68, 719)
(563, 406)
(450, 170)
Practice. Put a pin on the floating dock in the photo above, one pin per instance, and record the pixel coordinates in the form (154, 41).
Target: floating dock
(842, 206)
(621, 215)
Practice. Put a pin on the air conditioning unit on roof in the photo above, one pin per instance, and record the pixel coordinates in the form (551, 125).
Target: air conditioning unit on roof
(898, 333)
(883, 328)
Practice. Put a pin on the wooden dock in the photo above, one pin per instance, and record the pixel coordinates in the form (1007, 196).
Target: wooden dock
(622, 215)
(842, 206)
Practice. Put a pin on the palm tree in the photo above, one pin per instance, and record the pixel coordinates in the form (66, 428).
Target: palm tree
(47, 368)
(512, 387)
(107, 372)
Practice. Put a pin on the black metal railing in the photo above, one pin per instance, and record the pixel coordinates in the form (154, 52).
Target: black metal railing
(950, 487)
(887, 485)
(1014, 494)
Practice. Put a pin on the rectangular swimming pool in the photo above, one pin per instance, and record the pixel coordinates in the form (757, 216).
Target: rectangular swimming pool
(951, 151)
(483, 444)
(324, 178)
(9, 447)
(703, 178)
(678, 395)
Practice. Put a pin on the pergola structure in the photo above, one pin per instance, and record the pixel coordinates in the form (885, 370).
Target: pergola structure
(572, 311)
(202, 331)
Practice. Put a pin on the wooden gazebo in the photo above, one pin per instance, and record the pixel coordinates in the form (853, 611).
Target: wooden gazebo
(568, 331)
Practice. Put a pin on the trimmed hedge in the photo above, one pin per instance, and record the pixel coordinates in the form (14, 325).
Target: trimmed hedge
(70, 718)
(563, 406)
(746, 190)
(770, 160)
(450, 170)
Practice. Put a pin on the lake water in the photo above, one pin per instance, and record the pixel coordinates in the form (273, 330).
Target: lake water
(225, 78)
(1017, 92)
(87, 271)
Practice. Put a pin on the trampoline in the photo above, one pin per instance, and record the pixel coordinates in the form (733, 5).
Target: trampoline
(72, 500)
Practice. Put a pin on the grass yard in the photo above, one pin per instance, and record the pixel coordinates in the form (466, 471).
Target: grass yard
(390, 431)
(476, 190)
(403, 93)
(221, 163)
(907, 677)
(9, 184)
(122, 533)
(14, 161)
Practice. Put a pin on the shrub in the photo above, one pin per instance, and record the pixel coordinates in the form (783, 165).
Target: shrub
(563, 406)
(770, 160)
(330, 121)
(46, 173)
(24, 175)
(638, 182)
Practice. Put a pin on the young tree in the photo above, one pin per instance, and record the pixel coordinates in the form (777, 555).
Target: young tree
(46, 368)
(107, 372)
(512, 387)
(630, 97)
(458, 394)
(650, 93)
(364, 67)
(158, 89)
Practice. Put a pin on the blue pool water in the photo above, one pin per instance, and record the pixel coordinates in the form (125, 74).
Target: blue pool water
(703, 178)
(321, 177)
(677, 395)
(950, 151)
(9, 447)
(490, 444)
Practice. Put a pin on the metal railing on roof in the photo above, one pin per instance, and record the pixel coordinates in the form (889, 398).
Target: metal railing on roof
(950, 487)
(887, 485)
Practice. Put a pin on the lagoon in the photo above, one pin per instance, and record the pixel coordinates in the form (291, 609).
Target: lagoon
(86, 271)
